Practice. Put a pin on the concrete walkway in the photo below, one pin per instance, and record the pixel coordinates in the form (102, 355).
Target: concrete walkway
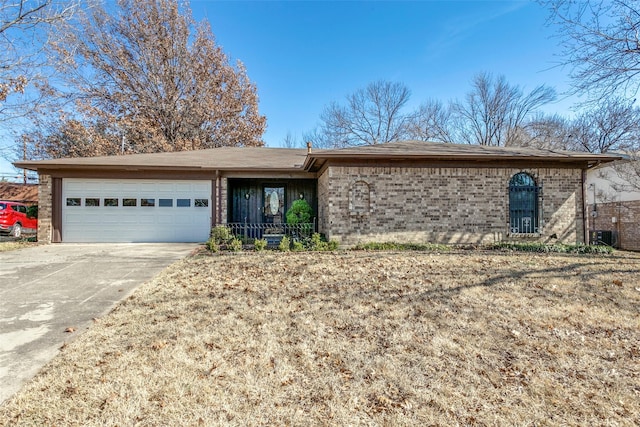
(46, 289)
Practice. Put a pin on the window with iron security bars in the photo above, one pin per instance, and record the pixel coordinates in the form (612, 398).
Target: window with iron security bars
(524, 204)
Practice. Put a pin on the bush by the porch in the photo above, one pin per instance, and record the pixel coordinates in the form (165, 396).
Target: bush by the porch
(299, 213)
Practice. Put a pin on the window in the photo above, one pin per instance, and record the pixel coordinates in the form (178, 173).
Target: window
(92, 202)
(147, 202)
(129, 202)
(183, 203)
(73, 201)
(165, 203)
(523, 204)
(111, 202)
(201, 203)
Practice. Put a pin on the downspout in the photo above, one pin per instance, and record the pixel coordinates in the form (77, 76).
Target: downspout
(585, 208)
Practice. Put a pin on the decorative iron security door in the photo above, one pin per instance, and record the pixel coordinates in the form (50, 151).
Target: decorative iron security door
(523, 204)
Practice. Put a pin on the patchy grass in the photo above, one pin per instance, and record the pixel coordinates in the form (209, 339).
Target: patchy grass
(395, 246)
(357, 338)
(11, 245)
(554, 247)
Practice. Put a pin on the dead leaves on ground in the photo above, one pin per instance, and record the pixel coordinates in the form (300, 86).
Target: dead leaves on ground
(396, 339)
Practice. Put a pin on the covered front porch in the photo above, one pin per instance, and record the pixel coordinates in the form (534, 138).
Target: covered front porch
(257, 208)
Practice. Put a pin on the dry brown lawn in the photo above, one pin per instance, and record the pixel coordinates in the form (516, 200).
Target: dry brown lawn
(357, 338)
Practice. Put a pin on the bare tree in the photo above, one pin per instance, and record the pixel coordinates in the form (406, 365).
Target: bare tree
(23, 28)
(601, 44)
(548, 132)
(602, 47)
(494, 110)
(613, 125)
(433, 121)
(629, 171)
(70, 138)
(21, 23)
(291, 141)
(372, 115)
(154, 79)
(318, 138)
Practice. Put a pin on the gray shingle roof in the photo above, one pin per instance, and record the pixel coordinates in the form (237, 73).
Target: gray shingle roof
(419, 150)
(286, 159)
(223, 158)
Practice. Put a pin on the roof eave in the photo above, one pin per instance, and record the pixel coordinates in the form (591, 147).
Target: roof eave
(591, 160)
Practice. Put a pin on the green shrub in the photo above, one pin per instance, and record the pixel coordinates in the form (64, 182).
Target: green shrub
(318, 243)
(297, 246)
(333, 245)
(394, 246)
(235, 245)
(299, 213)
(221, 234)
(260, 244)
(555, 247)
(32, 211)
(212, 245)
(285, 244)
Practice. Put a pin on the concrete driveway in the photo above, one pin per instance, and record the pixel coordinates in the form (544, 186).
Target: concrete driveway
(46, 289)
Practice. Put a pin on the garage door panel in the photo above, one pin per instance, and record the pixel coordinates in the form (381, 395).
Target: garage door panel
(167, 223)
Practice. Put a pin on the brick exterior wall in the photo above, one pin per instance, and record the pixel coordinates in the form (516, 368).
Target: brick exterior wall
(44, 208)
(626, 229)
(324, 203)
(445, 205)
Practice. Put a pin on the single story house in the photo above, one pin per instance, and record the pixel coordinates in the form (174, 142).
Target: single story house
(613, 205)
(407, 191)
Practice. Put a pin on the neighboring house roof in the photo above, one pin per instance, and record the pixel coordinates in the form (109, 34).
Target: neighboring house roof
(26, 193)
(286, 159)
(419, 150)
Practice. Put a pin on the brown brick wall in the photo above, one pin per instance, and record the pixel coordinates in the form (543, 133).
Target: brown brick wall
(44, 208)
(626, 227)
(448, 205)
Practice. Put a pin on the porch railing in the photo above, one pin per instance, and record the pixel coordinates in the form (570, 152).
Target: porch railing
(249, 231)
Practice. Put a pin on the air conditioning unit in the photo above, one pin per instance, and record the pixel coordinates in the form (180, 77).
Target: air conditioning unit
(601, 237)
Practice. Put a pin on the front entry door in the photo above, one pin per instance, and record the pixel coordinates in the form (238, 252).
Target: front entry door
(273, 205)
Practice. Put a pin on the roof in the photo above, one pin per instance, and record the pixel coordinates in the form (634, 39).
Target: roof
(419, 150)
(223, 158)
(26, 193)
(299, 160)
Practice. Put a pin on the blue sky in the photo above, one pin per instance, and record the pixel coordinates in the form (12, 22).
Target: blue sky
(302, 54)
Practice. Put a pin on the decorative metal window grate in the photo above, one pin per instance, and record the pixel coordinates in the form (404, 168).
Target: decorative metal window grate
(523, 204)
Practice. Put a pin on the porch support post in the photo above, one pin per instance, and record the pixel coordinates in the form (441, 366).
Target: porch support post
(214, 201)
(56, 211)
(219, 198)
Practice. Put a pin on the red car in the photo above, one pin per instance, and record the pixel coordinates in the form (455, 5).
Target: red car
(14, 219)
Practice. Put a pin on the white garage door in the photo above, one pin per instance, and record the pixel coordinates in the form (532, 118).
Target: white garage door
(135, 210)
